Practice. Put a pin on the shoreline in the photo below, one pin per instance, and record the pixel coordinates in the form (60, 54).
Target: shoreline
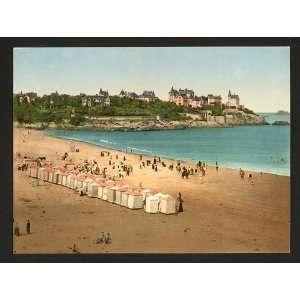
(152, 155)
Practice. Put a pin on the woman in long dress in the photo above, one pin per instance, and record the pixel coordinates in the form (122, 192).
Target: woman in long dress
(179, 203)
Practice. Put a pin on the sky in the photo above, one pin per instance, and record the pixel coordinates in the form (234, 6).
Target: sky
(259, 75)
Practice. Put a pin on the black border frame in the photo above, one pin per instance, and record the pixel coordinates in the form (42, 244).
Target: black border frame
(6, 149)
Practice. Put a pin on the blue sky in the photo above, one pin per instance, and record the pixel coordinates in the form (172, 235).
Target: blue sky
(260, 75)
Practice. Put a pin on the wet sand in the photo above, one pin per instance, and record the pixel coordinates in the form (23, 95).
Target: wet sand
(222, 213)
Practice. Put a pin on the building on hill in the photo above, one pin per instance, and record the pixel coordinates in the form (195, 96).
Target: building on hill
(214, 100)
(182, 97)
(101, 98)
(129, 95)
(26, 97)
(187, 97)
(148, 96)
(233, 100)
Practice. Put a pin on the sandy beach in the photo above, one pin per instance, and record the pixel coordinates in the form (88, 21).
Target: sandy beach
(222, 212)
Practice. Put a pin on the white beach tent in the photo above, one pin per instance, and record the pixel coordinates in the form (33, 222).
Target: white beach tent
(40, 173)
(119, 191)
(93, 190)
(28, 170)
(34, 171)
(145, 194)
(167, 204)
(50, 175)
(68, 179)
(111, 193)
(78, 183)
(100, 190)
(152, 204)
(72, 182)
(60, 176)
(56, 176)
(105, 192)
(46, 174)
(64, 178)
(124, 198)
(135, 200)
(86, 183)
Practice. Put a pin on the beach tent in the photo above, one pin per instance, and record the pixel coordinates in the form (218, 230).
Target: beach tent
(152, 204)
(46, 174)
(167, 204)
(124, 198)
(60, 176)
(72, 182)
(40, 173)
(135, 200)
(93, 190)
(105, 191)
(100, 190)
(34, 171)
(78, 182)
(86, 183)
(64, 178)
(111, 193)
(50, 175)
(56, 176)
(145, 194)
(119, 191)
(28, 170)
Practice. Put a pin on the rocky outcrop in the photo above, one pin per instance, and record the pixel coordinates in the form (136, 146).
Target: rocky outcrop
(147, 124)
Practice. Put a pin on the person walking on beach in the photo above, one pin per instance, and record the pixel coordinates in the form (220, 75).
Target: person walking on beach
(217, 166)
(179, 207)
(17, 230)
(28, 227)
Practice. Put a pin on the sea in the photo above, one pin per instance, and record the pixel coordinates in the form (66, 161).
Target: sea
(261, 148)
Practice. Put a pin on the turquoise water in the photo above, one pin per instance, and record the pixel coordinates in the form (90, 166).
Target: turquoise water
(256, 148)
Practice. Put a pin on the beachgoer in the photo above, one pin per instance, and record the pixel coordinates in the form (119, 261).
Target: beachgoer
(179, 203)
(74, 249)
(108, 238)
(28, 227)
(17, 230)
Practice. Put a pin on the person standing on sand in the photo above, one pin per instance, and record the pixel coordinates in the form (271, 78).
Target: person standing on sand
(179, 206)
(217, 166)
(28, 227)
(17, 230)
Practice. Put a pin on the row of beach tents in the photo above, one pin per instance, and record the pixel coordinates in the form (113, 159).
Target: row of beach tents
(113, 191)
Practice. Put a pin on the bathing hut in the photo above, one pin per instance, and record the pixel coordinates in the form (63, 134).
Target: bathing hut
(100, 190)
(145, 194)
(135, 200)
(78, 182)
(167, 204)
(34, 171)
(124, 198)
(86, 182)
(46, 174)
(50, 175)
(119, 191)
(72, 182)
(93, 190)
(60, 177)
(56, 176)
(28, 170)
(152, 204)
(64, 178)
(111, 194)
(40, 173)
